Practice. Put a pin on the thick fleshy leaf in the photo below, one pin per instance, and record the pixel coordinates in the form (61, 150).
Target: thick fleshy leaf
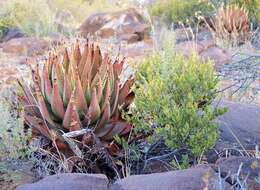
(71, 113)
(124, 91)
(56, 101)
(94, 109)
(113, 149)
(71, 76)
(88, 93)
(42, 81)
(38, 124)
(43, 107)
(129, 99)
(60, 77)
(81, 103)
(83, 60)
(74, 125)
(104, 119)
(115, 96)
(50, 65)
(27, 92)
(97, 60)
(47, 84)
(54, 69)
(105, 130)
(99, 89)
(118, 128)
(85, 76)
(127, 129)
(118, 67)
(66, 60)
(107, 95)
(66, 91)
(76, 53)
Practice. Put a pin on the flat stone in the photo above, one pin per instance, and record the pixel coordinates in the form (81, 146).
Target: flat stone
(69, 181)
(28, 46)
(189, 47)
(130, 38)
(240, 125)
(207, 50)
(193, 179)
(217, 55)
(11, 33)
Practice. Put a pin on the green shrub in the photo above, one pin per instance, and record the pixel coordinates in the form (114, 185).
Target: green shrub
(13, 140)
(175, 95)
(31, 16)
(180, 10)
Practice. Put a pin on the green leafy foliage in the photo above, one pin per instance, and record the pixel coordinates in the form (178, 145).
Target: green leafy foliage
(174, 94)
(180, 10)
(184, 164)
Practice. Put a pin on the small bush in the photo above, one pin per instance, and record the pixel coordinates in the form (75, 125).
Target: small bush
(174, 95)
(13, 140)
(184, 11)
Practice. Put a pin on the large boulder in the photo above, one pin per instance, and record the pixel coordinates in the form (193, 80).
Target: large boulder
(239, 126)
(28, 46)
(126, 25)
(69, 181)
(243, 169)
(192, 179)
(10, 33)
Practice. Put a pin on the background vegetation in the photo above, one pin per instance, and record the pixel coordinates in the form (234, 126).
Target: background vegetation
(188, 11)
(184, 11)
(46, 17)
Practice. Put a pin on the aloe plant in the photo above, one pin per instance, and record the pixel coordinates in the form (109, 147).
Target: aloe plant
(76, 90)
(232, 24)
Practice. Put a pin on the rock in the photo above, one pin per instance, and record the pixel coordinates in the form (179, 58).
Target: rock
(130, 38)
(92, 24)
(193, 179)
(217, 55)
(249, 171)
(127, 25)
(137, 50)
(189, 47)
(69, 181)
(188, 34)
(26, 46)
(15, 172)
(241, 122)
(207, 50)
(12, 67)
(10, 33)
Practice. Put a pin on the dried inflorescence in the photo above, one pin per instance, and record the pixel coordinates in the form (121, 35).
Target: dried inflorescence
(77, 90)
